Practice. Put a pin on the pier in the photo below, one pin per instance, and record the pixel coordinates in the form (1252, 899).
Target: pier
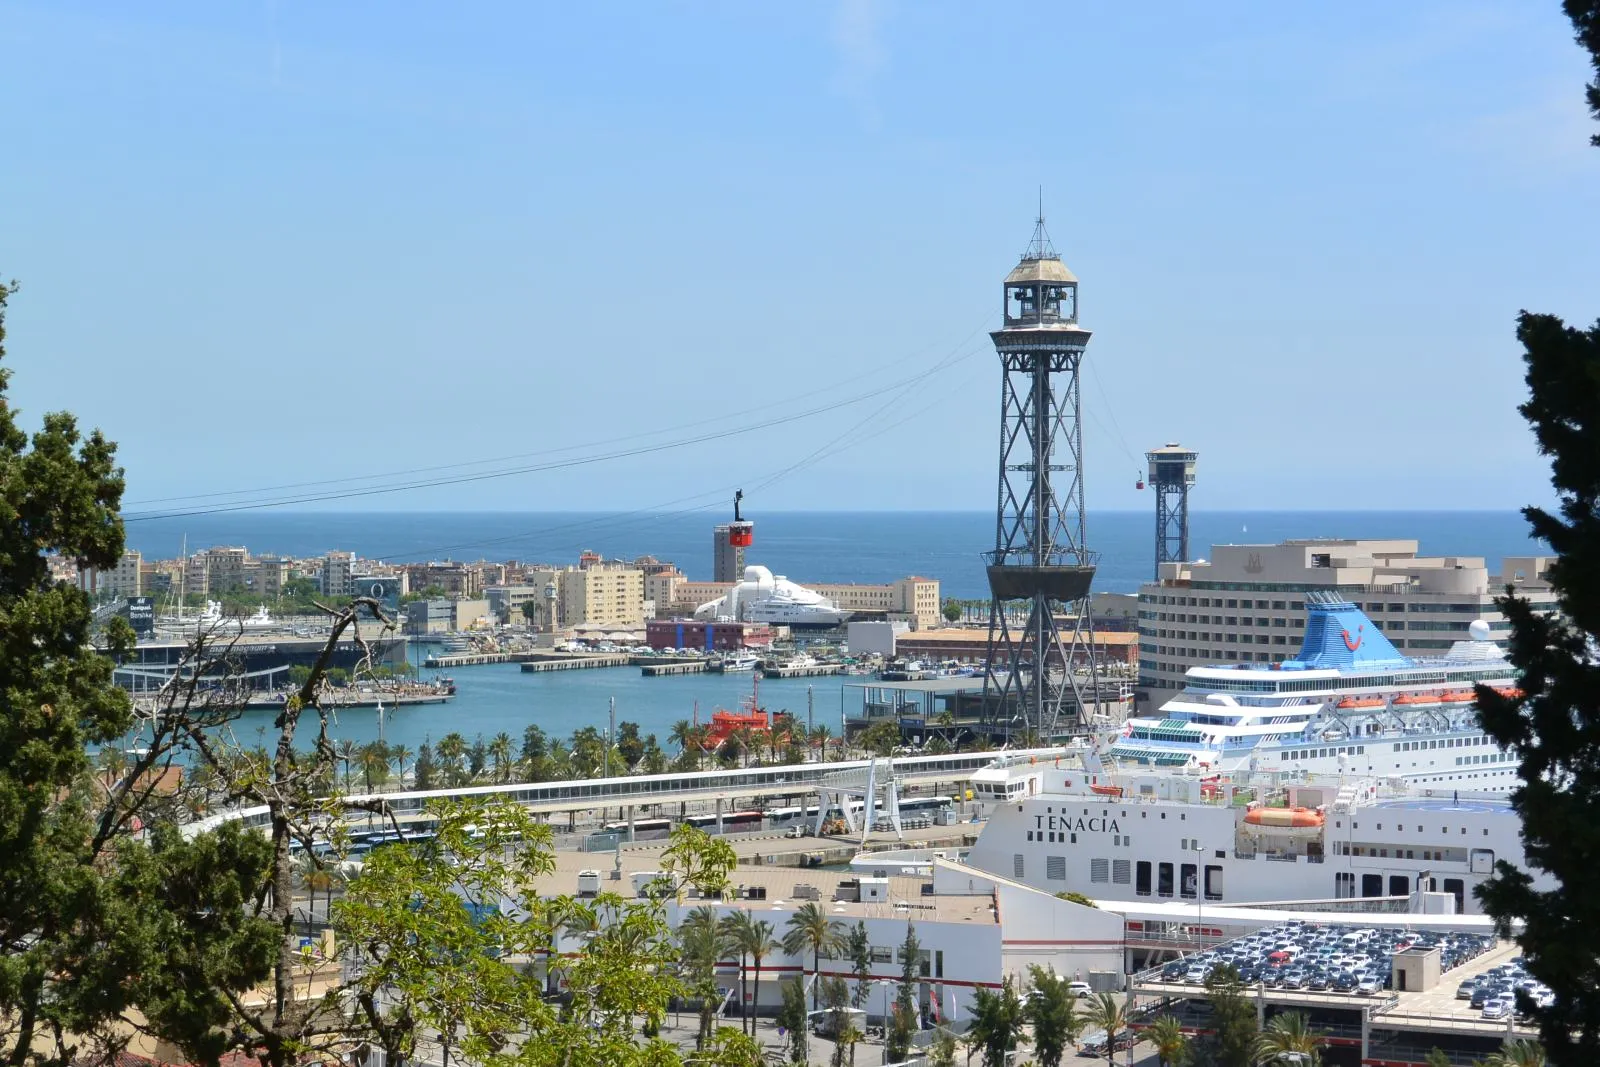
(679, 666)
(477, 659)
(546, 662)
(816, 670)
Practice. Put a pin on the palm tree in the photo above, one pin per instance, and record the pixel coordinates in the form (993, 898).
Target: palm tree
(1167, 1035)
(751, 937)
(1288, 1038)
(452, 752)
(680, 733)
(818, 739)
(500, 755)
(1521, 1053)
(313, 876)
(374, 760)
(347, 755)
(701, 944)
(810, 928)
(1106, 1013)
(400, 754)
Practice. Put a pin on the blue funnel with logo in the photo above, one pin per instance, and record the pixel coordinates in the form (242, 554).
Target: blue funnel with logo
(1339, 635)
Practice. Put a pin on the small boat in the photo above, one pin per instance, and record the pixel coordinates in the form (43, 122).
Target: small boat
(1361, 702)
(1417, 699)
(1293, 820)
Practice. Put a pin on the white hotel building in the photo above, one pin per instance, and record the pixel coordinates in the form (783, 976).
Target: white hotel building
(1247, 603)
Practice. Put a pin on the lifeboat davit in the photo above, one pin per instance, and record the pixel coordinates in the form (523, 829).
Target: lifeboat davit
(1293, 820)
(1361, 702)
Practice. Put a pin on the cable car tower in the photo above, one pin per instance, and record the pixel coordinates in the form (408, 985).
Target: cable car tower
(1041, 564)
(1171, 475)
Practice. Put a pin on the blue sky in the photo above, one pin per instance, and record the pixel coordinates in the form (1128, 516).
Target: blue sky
(276, 243)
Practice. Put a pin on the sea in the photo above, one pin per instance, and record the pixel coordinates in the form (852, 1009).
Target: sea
(810, 546)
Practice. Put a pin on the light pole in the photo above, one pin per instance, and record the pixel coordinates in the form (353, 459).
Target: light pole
(1199, 887)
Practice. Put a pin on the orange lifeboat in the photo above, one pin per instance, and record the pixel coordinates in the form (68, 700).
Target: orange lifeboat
(1106, 790)
(1416, 699)
(1510, 692)
(1302, 820)
(1361, 702)
(1459, 696)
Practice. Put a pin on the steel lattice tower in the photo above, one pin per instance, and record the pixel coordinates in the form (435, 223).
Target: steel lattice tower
(1041, 563)
(1171, 475)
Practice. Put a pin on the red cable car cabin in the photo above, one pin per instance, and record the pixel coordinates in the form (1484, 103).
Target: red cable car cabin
(741, 534)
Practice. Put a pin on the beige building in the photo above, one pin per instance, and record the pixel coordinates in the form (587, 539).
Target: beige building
(1247, 603)
(604, 595)
(196, 575)
(225, 567)
(456, 579)
(270, 574)
(126, 578)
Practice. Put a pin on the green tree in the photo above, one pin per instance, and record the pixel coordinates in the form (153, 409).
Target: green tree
(1521, 1053)
(836, 998)
(373, 759)
(702, 945)
(810, 930)
(905, 1020)
(951, 611)
(752, 938)
(500, 756)
(64, 935)
(1437, 1057)
(942, 1051)
(1077, 898)
(477, 758)
(1106, 1013)
(630, 746)
(1171, 1043)
(997, 1022)
(1233, 1040)
(695, 858)
(1553, 726)
(424, 773)
(792, 1019)
(530, 611)
(452, 755)
(881, 738)
(1288, 1038)
(858, 949)
(1052, 1009)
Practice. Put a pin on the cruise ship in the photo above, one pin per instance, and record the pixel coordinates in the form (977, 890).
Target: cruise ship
(1183, 835)
(1348, 703)
(775, 600)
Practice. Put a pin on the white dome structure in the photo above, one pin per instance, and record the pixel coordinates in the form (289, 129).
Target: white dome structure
(764, 597)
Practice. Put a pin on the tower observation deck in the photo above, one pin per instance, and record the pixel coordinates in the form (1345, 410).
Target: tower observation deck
(1041, 565)
(1171, 475)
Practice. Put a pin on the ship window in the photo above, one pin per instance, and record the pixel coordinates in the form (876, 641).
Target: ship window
(1121, 872)
(1016, 865)
(1099, 870)
(1030, 835)
(1141, 885)
(1164, 880)
(1074, 839)
(1055, 868)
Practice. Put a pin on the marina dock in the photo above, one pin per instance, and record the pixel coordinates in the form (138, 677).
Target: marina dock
(816, 670)
(547, 662)
(477, 659)
(677, 666)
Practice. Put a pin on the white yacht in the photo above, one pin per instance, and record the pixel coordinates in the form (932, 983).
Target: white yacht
(775, 600)
(739, 662)
(1349, 702)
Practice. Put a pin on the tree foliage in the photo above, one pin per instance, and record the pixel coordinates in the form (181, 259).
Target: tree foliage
(1052, 1008)
(1552, 725)
(1234, 1030)
(997, 1022)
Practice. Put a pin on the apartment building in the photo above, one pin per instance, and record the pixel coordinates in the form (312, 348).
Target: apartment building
(225, 567)
(606, 595)
(456, 579)
(337, 570)
(126, 578)
(1247, 602)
